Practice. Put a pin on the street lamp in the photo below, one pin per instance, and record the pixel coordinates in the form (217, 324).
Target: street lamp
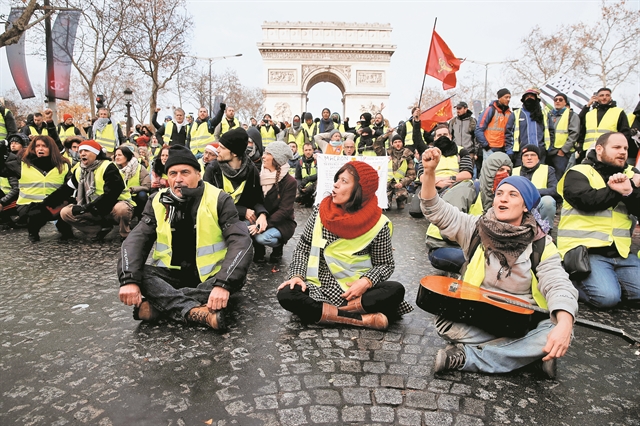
(217, 58)
(128, 98)
(486, 72)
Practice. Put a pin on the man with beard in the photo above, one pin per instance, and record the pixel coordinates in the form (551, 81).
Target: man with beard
(564, 129)
(401, 171)
(268, 130)
(174, 131)
(494, 131)
(106, 133)
(463, 132)
(307, 176)
(201, 256)
(455, 165)
(603, 118)
(229, 121)
(378, 127)
(326, 124)
(236, 175)
(296, 134)
(201, 131)
(67, 129)
(600, 196)
(41, 124)
(529, 126)
(309, 126)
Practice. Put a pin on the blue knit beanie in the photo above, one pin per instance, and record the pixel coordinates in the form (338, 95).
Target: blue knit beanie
(527, 190)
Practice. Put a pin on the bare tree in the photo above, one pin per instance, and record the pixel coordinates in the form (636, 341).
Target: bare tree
(611, 44)
(158, 42)
(23, 23)
(252, 104)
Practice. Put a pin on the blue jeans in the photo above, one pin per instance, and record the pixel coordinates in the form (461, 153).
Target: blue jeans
(490, 354)
(270, 238)
(547, 209)
(611, 280)
(448, 259)
(559, 163)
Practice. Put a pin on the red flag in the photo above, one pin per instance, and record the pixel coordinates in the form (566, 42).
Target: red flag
(440, 113)
(442, 63)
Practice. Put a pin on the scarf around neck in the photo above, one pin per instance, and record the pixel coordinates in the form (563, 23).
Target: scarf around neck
(87, 183)
(236, 176)
(505, 241)
(349, 225)
(100, 124)
(268, 177)
(130, 169)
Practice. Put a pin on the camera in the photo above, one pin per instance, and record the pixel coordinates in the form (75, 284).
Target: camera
(101, 101)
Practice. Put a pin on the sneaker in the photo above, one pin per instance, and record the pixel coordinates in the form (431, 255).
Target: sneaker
(145, 312)
(547, 369)
(451, 358)
(202, 315)
(100, 235)
(34, 238)
(276, 255)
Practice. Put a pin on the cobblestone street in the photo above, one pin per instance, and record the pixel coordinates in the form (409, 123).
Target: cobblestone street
(71, 353)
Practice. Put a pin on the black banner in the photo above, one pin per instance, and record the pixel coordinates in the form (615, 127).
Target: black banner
(17, 62)
(63, 37)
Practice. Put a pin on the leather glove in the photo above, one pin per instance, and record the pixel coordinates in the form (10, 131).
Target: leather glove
(223, 106)
(78, 210)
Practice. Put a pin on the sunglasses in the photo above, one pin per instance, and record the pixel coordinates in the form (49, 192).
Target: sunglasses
(558, 100)
(459, 107)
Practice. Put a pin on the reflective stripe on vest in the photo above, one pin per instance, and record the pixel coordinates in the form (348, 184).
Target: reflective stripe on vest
(609, 123)
(134, 181)
(268, 136)
(474, 274)
(107, 137)
(399, 174)
(98, 175)
(3, 127)
(200, 136)
(210, 245)
(496, 128)
(64, 134)
(224, 125)
(516, 133)
(234, 193)
(5, 186)
(168, 131)
(408, 138)
(540, 176)
(313, 170)
(594, 229)
(449, 166)
(299, 140)
(340, 256)
(311, 130)
(35, 187)
(562, 130)
(33, 131)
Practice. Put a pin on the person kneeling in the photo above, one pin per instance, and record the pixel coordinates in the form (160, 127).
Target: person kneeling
(202, 250)
(502, 263)
(344, 258)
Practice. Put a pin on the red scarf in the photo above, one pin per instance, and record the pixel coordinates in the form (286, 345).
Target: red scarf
(349, 225)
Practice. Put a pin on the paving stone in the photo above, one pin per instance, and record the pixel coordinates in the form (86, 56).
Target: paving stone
(323, 414)
(333, 353)
(382, 414)
(409, 417)
(393, 337)
(390, 381)
(356, 396)
(327, 366)
(424, 400)
(387, 356)
(399, 369)
(374, 367)
(473, 407)
(439, 386)
(350, 333)
(370, 381)
(289, 399)
(316, 381)
(360, 355)
(327, 397)
(266, 402)
(348, 366)
(344, 344)
(368, 344)
(448, 402)
(412, 349)
(292, 417)
(372, 334)
(289, 383)
(330, 333)
(416, 383)
(464, 420)
(408, 359)
(343, 380)
(323, 343)
(388, 396)
(391, 346)
(353, 414)
(461, 389)
(301, 368)
(437, 418)
(411, 339)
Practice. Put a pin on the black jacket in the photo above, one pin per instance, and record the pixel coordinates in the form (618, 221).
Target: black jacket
(552, 180)
(52, 131)
(212, 123)
(622, 126)
(10, 169)
(135, 249)
(252, 196)
(9, 121)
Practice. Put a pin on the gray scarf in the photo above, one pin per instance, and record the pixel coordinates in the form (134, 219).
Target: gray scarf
(236, 176)
(99, 125)
(87, 183)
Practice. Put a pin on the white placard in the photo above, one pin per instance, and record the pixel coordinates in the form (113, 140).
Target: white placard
(328, 165)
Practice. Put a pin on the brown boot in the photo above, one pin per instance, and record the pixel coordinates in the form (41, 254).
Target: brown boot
(354, 306)
(146, 312)
(202, 315)
(331, 315)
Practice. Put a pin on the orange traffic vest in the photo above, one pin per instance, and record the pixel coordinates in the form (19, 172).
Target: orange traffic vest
(496, 129)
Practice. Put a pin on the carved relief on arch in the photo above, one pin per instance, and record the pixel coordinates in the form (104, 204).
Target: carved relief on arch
(344, 70)
(282, 77)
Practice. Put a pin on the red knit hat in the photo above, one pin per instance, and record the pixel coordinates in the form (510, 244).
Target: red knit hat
(368, 179)
(90, 145)
(65, 117)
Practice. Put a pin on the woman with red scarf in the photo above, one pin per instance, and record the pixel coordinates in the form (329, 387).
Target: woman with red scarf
(344, 258)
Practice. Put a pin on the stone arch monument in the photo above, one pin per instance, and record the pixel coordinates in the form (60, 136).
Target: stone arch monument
(297, 55)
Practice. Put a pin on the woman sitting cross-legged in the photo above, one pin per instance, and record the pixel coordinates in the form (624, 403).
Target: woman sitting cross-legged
(344, 258)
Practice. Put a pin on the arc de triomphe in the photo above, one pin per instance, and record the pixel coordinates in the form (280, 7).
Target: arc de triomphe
(298, 55)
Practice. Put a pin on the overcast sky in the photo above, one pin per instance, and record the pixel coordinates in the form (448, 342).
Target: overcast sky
(476, 30)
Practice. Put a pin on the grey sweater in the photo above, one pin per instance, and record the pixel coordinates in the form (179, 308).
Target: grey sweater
(553, 281)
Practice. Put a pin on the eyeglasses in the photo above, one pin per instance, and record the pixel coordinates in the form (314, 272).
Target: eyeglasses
(558, 100)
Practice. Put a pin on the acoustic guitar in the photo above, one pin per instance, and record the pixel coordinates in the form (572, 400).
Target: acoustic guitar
(498, 313)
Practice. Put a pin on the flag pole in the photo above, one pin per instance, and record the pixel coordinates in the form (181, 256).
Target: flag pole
(425, 74)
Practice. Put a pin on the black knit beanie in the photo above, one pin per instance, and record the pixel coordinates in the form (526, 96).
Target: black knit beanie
(236, 141)
(530, 148)
(503, 92)
(178, 154)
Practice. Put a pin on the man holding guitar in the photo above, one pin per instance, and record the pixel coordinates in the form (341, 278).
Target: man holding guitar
(502, 263)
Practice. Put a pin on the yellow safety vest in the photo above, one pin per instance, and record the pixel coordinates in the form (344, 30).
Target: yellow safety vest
(210, 245)
(200, 136)
(135, 179)
(609, 123)
(516, 134)
(631, 117)
(540, 176)
(98, 175)
(594, 229)
(399, 174)
(268, 136)
(313, 171)
(299, 140)
(340, 255)
(202, 165)
(562, 129)
(474, 274)
(107, 137)
(35, 187)
(3, 127)
(449, 166)
(4, 185)
(408, 138)
(234, 193)
(311, 130)
(224, 125)
(33, 131)
(64, 134)
(475, 210)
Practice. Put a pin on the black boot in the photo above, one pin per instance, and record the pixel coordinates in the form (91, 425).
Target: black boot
(258, 253)
(66, 233)
(276, 254)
